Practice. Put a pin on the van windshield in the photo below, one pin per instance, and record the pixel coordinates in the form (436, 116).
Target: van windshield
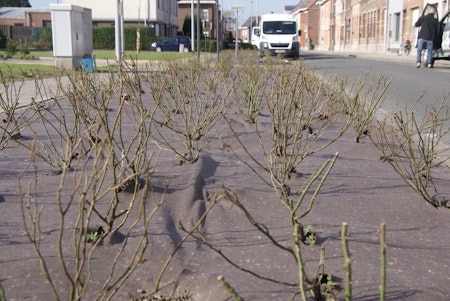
(279, 27)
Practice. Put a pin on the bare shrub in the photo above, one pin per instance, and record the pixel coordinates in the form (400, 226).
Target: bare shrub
(77, 249)
(14, 115)
(300, 110)
(250, 91)
(189, 102)
(106, 194)
(415, 149)
(362, 100)
(300, 113)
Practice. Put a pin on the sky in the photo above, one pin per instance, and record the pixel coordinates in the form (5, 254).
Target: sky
(255, 7)
(41, 3)
(252, 7)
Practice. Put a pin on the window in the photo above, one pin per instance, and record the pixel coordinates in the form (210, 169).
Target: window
(414, 17)
(279, 27)
(171, 41)
(205, 15)
(397, 27)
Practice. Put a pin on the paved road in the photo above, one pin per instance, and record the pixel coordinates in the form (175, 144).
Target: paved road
(421, 88)
(417, 89)
(408, 82)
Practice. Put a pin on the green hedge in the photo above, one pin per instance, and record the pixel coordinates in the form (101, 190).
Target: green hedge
(104, 38)
(207, 46)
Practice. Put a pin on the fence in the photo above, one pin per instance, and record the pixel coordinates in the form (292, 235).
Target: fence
(19, 33)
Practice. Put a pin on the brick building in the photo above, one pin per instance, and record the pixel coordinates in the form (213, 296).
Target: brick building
(25, 16)
(307, 14)
(369, 25)
(208, 15)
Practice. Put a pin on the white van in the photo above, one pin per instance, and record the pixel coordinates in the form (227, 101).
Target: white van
(277, 34)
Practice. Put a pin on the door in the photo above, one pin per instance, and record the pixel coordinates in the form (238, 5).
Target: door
(255, 36)
(444, 33)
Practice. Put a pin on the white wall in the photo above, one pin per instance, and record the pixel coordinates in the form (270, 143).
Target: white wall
(106, 9)
(132, 9)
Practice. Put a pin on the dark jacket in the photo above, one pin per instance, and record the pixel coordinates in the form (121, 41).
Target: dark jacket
(428, 27)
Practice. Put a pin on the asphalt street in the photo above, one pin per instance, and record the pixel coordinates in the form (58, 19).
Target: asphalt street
(411, 88)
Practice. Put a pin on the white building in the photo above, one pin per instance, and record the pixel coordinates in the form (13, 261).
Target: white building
(159, 14)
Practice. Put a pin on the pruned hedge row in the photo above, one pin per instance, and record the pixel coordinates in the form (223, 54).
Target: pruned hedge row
(104, 38)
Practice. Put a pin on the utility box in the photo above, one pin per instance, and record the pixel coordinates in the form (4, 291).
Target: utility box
(72, 34)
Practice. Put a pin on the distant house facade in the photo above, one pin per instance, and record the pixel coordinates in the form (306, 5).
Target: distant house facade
(245, 31)
(25, 16)
(307, 14)
(162, 15)
(208, 16)
(360, 25)
(22, 24)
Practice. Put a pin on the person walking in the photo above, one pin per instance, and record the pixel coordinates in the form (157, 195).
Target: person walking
(428, 27)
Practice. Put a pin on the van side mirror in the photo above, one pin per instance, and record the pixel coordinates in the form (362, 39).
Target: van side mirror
(299, 32)
(257, 32)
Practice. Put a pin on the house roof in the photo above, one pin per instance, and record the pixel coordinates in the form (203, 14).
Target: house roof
(303, 5)
(289, 7)
(249, 22)
(19, 12)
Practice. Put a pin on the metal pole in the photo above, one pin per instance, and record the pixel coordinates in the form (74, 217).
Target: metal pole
(118, 33)
(251, 15)
(198, 28)
(122, 44)
(217, 29)
(257, 16)
(236, 36)
(192, 26)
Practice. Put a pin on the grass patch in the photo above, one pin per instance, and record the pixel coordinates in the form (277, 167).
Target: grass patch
(24, 72)
(20, 71)
(111, 55)
(143, 55)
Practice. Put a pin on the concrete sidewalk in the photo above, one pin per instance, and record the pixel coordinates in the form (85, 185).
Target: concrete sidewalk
(383, 56)
(27, 91)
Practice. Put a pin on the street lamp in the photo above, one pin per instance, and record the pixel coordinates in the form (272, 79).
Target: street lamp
(192, 27)
(257, 15)
(236, 8)
(119, 30)
(251, 14)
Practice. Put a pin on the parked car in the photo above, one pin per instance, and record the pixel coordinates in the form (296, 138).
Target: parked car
(173, 44)
(442, 41)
